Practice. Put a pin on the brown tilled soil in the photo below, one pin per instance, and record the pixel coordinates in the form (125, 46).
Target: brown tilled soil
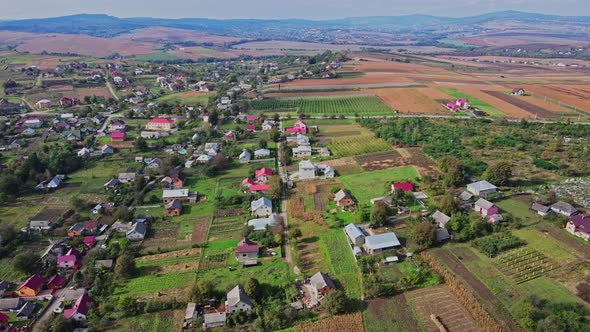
(438, 300)
(396, 311)
(401, 157)
(200, 231)
(518, 102)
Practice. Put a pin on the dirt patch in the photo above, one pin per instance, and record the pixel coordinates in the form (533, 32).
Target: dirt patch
(391, 314)
(50, 213)
(518, 102)
(349, 323)
(200, 231)
(439, 301)
(401, 157)
(164, 235)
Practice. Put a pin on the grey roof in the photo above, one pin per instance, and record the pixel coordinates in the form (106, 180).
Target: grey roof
(173, 193)
(441, 218)
(382, 241)
(385, 199)
(441, 234)
(261, 223)
(175, 204)
(106, 263)
(465, 196)
(4, 285)
(302, 148)
(237, 295)
(214, 318)
(12, 303)
(245, 155)
(26, 310)
(72, 294)
(481, 186)
(353, 231)
(191, 308)
(321, 280)
(77, 228)
(262, 201)
(540, 208)
(565, 207)
(138, 227)
(485, 204)
(306, 164)
(262, 152)
(341, 195)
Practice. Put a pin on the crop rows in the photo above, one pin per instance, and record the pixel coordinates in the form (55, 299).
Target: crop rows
(525, 264)
(347, 105)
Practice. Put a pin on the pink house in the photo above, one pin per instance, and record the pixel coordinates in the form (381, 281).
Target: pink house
(579, 225)
(485, 208)
(263, 175)
(405, 186)
(67, 261)
(300, 127)
(453, 106)
(247, 182)
(461, 103)
(118, 136)
(89, 241)
(251, 118)
(259, 188)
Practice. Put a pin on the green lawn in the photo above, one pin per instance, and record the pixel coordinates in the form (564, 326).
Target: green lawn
(491, 110)
(156, 282)
(518, 209)
(545, 244)
(340, 105)
(337, 252)
(222, 244)
(152, 322)
(158, 56)
(185, 98)
(367, 185)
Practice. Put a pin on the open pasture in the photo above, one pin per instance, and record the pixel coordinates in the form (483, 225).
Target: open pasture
(369, 185)
(537, 111)
(190, 97)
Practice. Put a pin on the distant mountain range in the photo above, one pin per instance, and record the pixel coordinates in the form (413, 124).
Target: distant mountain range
(109, 26)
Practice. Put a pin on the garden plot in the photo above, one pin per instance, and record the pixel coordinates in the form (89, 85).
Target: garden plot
(228, 228)
(392, 314)
(349, 323)
(215, 258)
(524, 264)
(337, 105)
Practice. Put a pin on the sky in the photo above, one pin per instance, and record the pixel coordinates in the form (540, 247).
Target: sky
(274, 9)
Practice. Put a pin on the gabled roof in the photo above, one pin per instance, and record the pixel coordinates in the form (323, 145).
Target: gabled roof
(565, 207)
(262, 201)
(237, 295)
(540, 208)
(173, 193)
(34, 282)
(66, 258)
(264, 172)
(261, 223)
(484, 204)
(245, 155)
(247, 246)
(56, 280)
(582, 223)
(259, 187)
(481, 186)
(161, 120)
(405, 186)
(138, 227)
(441, 218)
(353, 231)
(76, 228)
(321, 280)
(26, 310)
(380, 241)
(175, 204)
(82, 306)
(247, 181)
(465, 196)
(342, 194)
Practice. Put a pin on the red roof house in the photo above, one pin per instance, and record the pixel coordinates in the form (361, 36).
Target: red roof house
(80, 309)
(579, 225)
(90, 226)
(251, 127)
(247, 250)
(118, 136)
(160, 124)
(31, 287)
(67, 261)
(247, 182)
(405, 186)
(259, 187)
(251, 118)
(263, 175)
(300, 127)
(89, 241)
(56, 282)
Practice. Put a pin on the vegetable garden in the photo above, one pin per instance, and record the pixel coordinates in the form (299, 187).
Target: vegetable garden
(524, 264)
(358, 145)
(346, 105)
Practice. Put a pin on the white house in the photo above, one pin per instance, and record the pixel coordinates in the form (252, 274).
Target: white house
(245, 157)
(237, 301)
(137, 232)
(262, 153)
(354, 234)
(261, 207)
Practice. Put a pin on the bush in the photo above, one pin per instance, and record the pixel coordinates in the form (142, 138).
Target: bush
(494, 244)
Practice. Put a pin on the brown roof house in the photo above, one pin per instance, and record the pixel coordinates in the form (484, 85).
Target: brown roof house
(322, 283)
(173, 208)
(247, 252)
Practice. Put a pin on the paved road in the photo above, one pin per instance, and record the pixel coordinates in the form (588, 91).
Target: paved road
(108, 120)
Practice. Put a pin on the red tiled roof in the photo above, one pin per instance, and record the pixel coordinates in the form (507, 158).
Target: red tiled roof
(250, 127)
(582, 223)
(405, 186)
(264, 172)
(161, 120)
(89, 240)
(246, 246)
(81, 306)
(56, 281)
(66, 258)
(34, 282)
(118, 135)
(74, 252)
(259, 187)
(250, 118)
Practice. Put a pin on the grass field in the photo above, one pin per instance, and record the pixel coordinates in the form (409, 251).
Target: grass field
(518, 209)
(190, 97)
(369, 185)
(152, 322)
(491, 110)
(17, 215)
(338, 254)
(158, 56)
(157, 282)
(345, 105)
(547, 245)
(392, 314)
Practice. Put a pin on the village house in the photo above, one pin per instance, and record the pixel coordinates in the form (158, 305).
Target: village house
(149, 134)
(89, 241)
(247, 252)
(343, 199)
(40, 224)
(564, 209)
(11, 304)
(126, 177)
(66, 101)
(79, 311)
(263, 175)
(387, 200)
(84, 152)
(376, 244)
(69, 260)
(118, 136)
(405, 186)
(244, 157)
(173, 208)
(204, 159)
(440, 218)
(75, 230)
(91, 226)
(174, 181)
(230, 136)
(459, 104)
(154, 163)
(214, 319)
(579, 225)
(33, 123)
(300, 127)
(518, 92)
(43, 103)
(355, 234)
(481, 188)
(268, 125)
(237, 301)
(160, 124)
(485, 208)
(262, 153)
(117, 125)
(212, 149)
(309, 170)
(168, 195)
(106, 149)
(540, 209)
(31, 287)
(112, 183)
(322, 283)
(137, 231)
(302, 151)
(261, 207)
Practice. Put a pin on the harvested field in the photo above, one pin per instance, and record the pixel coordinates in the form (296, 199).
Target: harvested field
(439, 301)
(479, 289)
(349, 323)
(392, 314)
(316, 93)
(410, 101)
(99, 92)
(520, 103)
(169, 255)
(165, 235)
(573, 95)
(344, 166)
(163, 34)
(200, 231)
(294, 45)
(401, 157)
